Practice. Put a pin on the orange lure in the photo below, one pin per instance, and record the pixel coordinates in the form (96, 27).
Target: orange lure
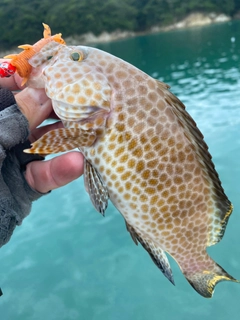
(20, 61)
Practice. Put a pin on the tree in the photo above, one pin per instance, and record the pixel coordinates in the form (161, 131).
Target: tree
(21, 23)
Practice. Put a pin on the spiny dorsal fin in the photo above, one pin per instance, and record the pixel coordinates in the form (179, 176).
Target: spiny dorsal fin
(162, 85)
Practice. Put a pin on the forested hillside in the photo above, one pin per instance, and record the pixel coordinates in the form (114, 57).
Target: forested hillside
(21, 20)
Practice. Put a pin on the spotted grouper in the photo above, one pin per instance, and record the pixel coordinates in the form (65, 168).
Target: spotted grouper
(143, 151)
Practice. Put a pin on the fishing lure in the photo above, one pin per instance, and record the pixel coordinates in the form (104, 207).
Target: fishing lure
(19, 62)
(6, 69)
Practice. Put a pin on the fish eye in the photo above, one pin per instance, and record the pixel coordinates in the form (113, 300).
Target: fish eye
(77, 56)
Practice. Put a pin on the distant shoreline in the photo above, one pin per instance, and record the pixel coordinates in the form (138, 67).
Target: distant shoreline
(192, 20)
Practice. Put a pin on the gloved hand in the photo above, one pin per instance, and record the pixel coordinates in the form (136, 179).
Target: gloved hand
(16, 195)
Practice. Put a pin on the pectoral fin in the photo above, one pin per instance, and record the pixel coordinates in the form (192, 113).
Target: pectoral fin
(63, 139)
(156, 253)
(95, 187)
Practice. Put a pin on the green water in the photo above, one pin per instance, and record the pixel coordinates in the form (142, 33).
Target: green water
(68, 262)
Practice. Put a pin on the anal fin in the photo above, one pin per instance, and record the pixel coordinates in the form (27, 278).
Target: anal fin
(156, 253)
(95, 187)
(63, 139)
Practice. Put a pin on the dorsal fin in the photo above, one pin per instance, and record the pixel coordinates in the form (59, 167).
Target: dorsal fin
(162, 85)
(223, 207)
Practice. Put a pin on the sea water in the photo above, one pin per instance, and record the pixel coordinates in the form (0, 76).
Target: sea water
(68, 262)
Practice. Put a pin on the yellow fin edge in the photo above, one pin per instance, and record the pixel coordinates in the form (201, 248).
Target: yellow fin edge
(204, 282)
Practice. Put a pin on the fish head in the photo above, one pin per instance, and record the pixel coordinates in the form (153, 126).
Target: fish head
(73, 80)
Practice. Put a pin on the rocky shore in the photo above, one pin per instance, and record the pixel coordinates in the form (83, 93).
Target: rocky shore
(193, 20)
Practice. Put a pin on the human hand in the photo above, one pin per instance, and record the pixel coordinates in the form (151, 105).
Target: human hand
(36, 106)
(24, 178)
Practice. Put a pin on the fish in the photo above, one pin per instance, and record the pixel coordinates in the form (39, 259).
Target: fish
(143, 152)
(20, 60)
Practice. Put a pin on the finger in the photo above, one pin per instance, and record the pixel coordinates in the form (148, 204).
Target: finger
(12, 83)
(44, 176)
(35, 105)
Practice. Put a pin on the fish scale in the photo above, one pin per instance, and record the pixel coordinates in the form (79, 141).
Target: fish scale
(142, 151)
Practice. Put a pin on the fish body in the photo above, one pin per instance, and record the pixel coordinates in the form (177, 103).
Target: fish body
(142, 151)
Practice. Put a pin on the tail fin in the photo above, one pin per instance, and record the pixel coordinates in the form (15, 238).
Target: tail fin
(204, 281)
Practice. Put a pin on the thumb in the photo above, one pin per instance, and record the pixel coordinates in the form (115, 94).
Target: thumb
(44, 176)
